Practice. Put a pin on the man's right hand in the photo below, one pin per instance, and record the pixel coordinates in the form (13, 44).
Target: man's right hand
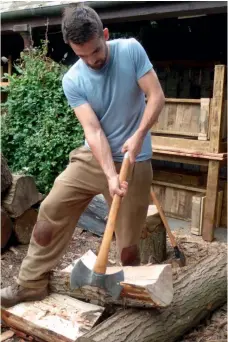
(116, 188)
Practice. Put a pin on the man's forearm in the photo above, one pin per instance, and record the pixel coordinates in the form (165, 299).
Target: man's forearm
(102, 152)
(153, 109)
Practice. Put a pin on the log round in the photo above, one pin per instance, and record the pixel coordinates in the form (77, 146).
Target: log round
(6, 176)
(199, 289)
(23, 225)
(6, 228)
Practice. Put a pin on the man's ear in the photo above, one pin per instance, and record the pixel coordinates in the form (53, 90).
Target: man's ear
(106, 34)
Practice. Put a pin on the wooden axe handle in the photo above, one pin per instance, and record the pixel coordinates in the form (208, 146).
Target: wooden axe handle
(164, 220)
(102, 258)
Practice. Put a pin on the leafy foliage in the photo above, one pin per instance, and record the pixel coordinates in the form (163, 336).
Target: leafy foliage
(39, 129)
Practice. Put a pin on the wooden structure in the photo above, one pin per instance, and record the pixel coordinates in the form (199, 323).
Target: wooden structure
(193, 131)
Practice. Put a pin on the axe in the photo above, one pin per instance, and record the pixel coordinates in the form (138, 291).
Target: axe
(82, 274)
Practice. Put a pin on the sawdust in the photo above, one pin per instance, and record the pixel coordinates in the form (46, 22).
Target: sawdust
(213, 328)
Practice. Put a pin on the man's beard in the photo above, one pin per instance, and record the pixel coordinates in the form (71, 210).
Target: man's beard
(100, 63)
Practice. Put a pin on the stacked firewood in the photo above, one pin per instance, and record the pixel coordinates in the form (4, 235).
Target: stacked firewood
(19, 196)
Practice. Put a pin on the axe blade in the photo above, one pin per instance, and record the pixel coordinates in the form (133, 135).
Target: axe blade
(82, 275)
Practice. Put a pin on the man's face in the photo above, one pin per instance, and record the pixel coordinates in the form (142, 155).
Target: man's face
(94, 53)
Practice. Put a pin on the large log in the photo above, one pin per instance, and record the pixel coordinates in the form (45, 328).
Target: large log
(21, 195)
(199, 289)
(23, 225)
(55, 318)
(6, 176)
(6, 228)
(143, 286)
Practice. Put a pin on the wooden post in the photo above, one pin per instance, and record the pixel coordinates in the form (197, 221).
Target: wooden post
(10, 65)
(204, 119)
(25, 31)
(210, 203)
(215, 138)
(217, 108)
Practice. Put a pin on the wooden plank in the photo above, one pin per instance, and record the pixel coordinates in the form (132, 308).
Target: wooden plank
(210, 203)
(194, 154)
(176, 202)
(55, 318)
(140, 12)
(180, 133)
(179, 177)
(10, 65)
(218, 208)
(223, 221)
(188, 101)
(219, 156)
(204, 119)
(180, 186)
(4, 84)
(196, 214)
(179, 159)
(198, 210)
(179, 119)
(217, 108)
(224, 119)
(181, 143)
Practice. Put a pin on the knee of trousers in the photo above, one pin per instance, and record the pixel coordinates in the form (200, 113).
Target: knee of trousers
(44, 229)
(130, 256)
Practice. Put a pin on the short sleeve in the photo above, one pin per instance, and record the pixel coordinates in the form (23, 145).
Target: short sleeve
(140, 59)
(71, 92)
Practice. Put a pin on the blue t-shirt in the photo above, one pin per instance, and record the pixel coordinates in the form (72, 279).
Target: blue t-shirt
(113, 93)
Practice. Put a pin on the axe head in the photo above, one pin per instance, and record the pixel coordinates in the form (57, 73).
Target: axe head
(83, 274)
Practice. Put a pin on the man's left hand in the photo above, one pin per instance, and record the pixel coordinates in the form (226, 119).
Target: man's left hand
(133, 146)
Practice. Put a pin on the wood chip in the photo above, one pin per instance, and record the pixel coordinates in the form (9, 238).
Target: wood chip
(6, 335)
(12, 249)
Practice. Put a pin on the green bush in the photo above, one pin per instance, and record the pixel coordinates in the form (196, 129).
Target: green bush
(39, 129)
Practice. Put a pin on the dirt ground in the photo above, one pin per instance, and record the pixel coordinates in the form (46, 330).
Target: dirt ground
(214, 328)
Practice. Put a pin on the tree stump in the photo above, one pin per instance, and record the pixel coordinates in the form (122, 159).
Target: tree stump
(21, 195)
(153, 240)
(23, 225)
(6, 176)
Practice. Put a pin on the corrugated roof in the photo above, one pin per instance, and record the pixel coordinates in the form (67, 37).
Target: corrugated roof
(11, 6)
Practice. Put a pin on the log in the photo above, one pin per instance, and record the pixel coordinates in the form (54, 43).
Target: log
(198, 290)
(6, 176)
(55, 318)
(6, 228)
(152, 244)
(93, 219)
(21, 195)
(23, 225)
(143, 286)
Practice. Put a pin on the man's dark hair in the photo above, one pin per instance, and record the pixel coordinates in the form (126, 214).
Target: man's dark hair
(80, 24)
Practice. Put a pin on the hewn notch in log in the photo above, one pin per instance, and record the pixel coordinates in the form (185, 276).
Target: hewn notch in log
(143, 286)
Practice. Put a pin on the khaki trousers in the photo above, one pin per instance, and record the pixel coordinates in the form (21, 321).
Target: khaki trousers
(59, 213)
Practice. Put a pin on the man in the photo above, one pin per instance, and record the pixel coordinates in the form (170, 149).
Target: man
(106, 88)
